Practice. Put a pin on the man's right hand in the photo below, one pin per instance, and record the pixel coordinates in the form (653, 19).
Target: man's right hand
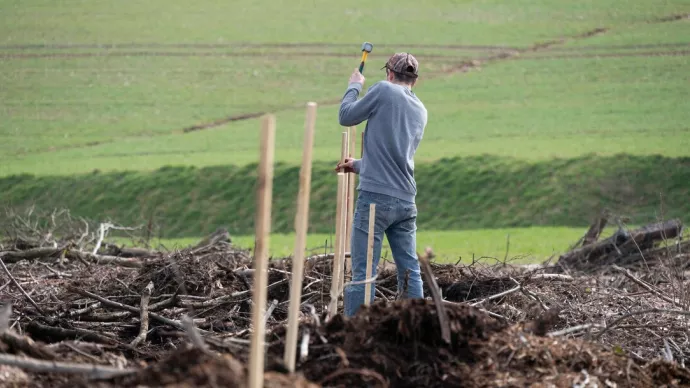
(347, 166)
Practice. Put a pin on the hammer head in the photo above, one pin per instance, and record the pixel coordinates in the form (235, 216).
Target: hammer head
(366, 46)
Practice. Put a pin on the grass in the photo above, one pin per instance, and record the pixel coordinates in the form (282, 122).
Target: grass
(405, 21)
(526, 244)
(527, 109)
(540, 139)
(63, 116)
(454, 194)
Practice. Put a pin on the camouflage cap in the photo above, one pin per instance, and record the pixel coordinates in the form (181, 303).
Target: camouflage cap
(403, 63)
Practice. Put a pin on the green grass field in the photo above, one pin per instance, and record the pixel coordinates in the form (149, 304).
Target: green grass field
(541, 138)
(524, 245)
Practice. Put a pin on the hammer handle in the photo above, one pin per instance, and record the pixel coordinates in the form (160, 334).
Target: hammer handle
(361, 64)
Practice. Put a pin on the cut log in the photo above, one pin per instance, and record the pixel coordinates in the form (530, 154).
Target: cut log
(621, 244)
(102, 259)
(220, 235)
(595, 230)
(114, 250)
(30, 254)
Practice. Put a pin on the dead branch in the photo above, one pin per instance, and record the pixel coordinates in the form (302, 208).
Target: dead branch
(556, 276)
(101, 259)
(144, 306)
(16, 284)
(58, 333)
(91, 370)
(125, 307)
(19, 343)
(572, 329)
(436, 296)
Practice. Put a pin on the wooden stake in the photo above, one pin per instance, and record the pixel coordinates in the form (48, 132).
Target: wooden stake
(370, 252)
(263, 227)
(301, 224)
(339, 245)
(341, 210)
(351, 184)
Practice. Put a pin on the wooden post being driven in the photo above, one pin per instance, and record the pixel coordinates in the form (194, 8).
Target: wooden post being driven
(263, 227)
(341, 216)
(351, 184)
(301, 225)
(370, 253)
(339, 245)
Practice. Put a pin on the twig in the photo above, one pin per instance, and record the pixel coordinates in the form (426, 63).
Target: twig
(645, 285)
(91, 370)
(104, 227)
(83, 353)
(640, 312)
(552, 276)
(572, 329)
(193, 333)
(14, 281)
(144, 306)
(269, 310)
(304, 347)
(232, 297)
(492, 314)
(492, 297)
(507, 248)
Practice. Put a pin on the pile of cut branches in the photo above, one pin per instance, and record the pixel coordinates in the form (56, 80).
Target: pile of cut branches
(82, 311)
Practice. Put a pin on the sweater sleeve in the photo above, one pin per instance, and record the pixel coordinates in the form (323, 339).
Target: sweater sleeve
(357, 165)
(353, 112)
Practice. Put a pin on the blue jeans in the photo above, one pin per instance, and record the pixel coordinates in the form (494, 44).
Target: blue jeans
(398, 220)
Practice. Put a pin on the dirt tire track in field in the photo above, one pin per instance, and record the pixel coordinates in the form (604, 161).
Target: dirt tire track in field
(463, 66)
(281, 55)
(237, 45)
(676, 53)
(673, 18)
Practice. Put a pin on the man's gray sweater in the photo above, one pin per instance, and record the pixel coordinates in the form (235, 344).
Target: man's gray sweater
(396, 119)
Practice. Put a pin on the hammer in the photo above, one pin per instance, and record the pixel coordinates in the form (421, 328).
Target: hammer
(366, 49)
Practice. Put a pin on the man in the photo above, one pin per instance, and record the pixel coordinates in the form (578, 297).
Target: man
(396, 119)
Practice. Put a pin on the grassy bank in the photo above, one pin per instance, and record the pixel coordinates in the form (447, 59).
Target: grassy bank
(459, 193)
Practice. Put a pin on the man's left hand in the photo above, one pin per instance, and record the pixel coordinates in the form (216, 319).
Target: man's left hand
(347, 166)
(357, 78)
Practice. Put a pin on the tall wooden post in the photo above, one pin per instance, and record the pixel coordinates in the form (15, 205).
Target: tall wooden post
(263, 227)
(370, 252)
(301, 225)
(351, 184)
